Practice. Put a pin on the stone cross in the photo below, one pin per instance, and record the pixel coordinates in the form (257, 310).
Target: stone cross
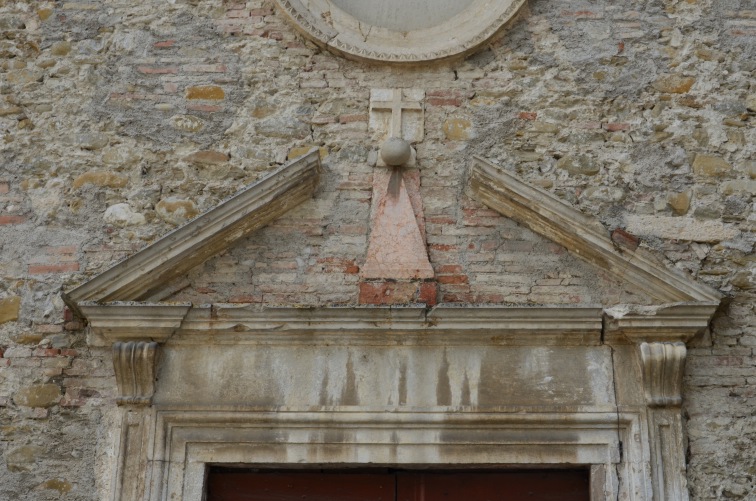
(396, 101)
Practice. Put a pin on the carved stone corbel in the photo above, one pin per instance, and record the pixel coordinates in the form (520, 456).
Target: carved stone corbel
(663, 365)
(134, 363)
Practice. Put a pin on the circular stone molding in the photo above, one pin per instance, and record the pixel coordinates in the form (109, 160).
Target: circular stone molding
(400, 31)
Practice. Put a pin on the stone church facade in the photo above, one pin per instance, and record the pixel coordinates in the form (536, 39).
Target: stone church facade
(509, 235)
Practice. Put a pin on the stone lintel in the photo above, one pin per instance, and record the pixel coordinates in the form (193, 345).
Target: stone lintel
(414, 324)
(581, 235)
(134, 321)
(138, 276)
(665, 323)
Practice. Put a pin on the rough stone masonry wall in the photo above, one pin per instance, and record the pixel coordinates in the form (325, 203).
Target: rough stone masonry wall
(121, 119)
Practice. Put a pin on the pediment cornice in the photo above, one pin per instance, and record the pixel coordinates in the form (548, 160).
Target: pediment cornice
(443, 325)
(147, 271)
(582, 235)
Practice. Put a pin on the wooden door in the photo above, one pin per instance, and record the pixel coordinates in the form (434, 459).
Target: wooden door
(392, 485)
(282, 485)
(552, 485)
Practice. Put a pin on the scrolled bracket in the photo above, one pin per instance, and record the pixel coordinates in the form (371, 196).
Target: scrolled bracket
(134, 363)
(663, 366)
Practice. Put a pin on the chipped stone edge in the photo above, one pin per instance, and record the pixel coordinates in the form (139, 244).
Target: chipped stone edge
(581, 235)
(666, 323)
(177, 252)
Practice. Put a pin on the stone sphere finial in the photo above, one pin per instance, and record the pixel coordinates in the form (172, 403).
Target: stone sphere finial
(396, 151)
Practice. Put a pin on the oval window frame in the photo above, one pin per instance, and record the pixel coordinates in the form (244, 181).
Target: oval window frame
(340, 32)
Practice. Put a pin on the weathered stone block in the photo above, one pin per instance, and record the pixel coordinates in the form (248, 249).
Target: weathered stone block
(206, 92)
(674, 84)
(22, 459)
(56, 484)
(742, 186)
(44, 14)
(10, 110)
(579, 164)
(23, 76)
(677, 228)
(176, 210)
(301, 151)
(208, 157)
(101, 179)
(605, 193)
(187, 123)
(38, 395)
(745, 279)
(458, 129)
(544, 127)
(710, 166)
(680, 202)
(92, 141)
(123, 215)
(60, 48)
(286, 127)
(9, 308)
(751, 102)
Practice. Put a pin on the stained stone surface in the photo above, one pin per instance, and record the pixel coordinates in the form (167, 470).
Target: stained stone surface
(658, 95)
(403, 15)
(397, 113)
(396, 249)
(400, 31)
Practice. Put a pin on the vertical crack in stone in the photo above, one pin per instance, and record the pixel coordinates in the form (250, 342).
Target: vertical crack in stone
(618, 465)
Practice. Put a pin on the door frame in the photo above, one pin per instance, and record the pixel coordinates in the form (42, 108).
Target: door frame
(185, 444)
(630, 436)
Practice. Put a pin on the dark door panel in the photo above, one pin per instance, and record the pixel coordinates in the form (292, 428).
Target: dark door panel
(301, 486)
(494, 486)
(387, 485)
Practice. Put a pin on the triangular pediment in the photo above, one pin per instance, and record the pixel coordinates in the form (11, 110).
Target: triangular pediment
(545, 252)
(169, 270)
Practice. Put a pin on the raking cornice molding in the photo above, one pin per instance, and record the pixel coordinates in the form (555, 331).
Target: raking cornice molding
(582, 235)
(138, 276)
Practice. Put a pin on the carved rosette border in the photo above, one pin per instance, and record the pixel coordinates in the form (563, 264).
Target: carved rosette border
(307, 24)
(134, 363)
(663, 366)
